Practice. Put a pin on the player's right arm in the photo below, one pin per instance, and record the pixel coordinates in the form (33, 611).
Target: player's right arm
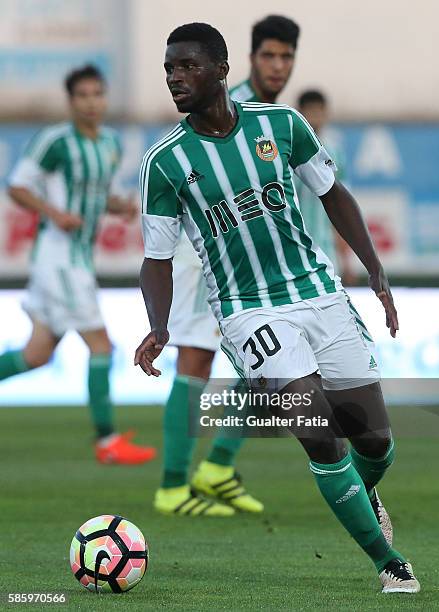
(161, 230)
(25, 198)
(40, 158)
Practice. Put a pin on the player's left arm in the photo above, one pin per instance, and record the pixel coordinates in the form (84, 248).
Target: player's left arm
(313, 165)
(345, 214)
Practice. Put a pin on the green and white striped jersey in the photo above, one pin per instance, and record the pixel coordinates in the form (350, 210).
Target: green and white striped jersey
(236, 200)
(244, 92)
(314, 215)
(75, 174)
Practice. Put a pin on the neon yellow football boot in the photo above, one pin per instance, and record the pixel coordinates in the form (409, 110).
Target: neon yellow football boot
(183, 501)
(224, 483)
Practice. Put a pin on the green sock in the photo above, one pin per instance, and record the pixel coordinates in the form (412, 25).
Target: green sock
(372, 470)
(101, 406)
(342, 487)
(181, 412)
(12, 363)
(224, 450)
(228, 442)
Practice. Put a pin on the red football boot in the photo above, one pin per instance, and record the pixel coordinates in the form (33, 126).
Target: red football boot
(120, 450)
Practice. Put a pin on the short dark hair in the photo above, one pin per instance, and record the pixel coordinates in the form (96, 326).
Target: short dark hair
(277, 27)
(78, 74)
(311, 96)
(207, 36)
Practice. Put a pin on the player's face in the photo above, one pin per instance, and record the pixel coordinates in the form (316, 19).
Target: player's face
(192, 77)
(88, 102)
(316, 114)
(272, 64)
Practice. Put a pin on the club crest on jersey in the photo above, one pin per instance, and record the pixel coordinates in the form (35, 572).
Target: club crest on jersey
(266, 148)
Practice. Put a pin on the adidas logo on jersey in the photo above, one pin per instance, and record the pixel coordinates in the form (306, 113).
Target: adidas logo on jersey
(193, 177)
(353, 490)
(372, 363)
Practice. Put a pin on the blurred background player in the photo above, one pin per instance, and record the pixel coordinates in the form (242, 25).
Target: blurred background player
(66, 176)
(273, 52)
(313, 105)
(192, 326)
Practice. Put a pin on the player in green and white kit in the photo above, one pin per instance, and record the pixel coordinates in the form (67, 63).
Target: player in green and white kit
(193, 328)
(286, 322)
(66, 175)
(272, 58)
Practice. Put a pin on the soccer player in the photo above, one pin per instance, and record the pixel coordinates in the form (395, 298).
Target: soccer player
(284, 316)
(66, 175)
(272, 57)
(193, 328)
(314, 107)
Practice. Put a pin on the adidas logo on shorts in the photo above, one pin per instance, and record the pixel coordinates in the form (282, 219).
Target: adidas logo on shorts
(372, 363)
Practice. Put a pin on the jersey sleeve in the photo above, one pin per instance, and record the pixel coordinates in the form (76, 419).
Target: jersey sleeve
(27, 174)
(309, 159)
(43, 149)
(41, 156)
(161, 211)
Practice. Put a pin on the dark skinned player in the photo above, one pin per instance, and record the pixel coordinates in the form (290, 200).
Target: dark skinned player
(287, 323)
(194, 330)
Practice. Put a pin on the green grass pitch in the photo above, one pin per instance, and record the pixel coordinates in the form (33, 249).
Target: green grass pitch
(294, 557)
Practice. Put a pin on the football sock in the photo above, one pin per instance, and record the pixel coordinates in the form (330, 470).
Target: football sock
(101, 407)
(12, 363)
(372, 470)
(342, 487)
(224, 450)
(228, 441)
(180, 424)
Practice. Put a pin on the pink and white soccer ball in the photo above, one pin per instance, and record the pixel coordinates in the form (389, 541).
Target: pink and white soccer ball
(109, 554)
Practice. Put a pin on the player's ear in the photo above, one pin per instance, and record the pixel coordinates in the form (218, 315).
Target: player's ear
(223, 69)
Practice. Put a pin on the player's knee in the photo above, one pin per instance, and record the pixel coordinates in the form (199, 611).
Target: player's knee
(101, 345)
(103, 348)
(375, 447)
(325, 450)
(381, 446)
(37, 358)
(196, 370)
(194, 362)
(204, 370)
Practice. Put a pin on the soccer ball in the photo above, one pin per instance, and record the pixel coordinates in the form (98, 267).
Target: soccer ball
(108, 554)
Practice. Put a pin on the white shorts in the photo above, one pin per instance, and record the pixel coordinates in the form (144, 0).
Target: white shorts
(63, 298)
(191, 322)
(271, 347)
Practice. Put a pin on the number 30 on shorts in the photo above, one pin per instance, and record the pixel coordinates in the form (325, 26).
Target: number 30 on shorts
(265, 339)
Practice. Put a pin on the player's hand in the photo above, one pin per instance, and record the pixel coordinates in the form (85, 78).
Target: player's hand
(66, 221)
(379, 283)
(130, 210)
(150, 349)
